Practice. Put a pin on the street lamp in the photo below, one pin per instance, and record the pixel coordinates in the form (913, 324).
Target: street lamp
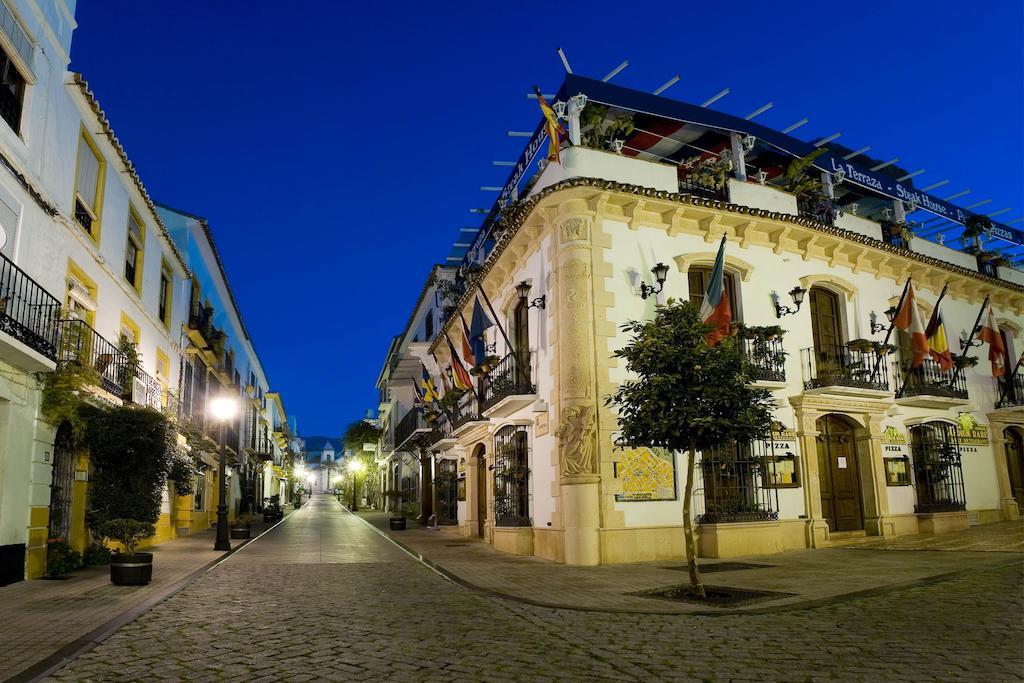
(222, 409)
(355, 467)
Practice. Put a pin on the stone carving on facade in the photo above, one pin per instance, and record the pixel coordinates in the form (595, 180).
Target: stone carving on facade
(576, 440)
(575, 230)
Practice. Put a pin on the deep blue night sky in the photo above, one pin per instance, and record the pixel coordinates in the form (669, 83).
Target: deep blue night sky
(336, 148)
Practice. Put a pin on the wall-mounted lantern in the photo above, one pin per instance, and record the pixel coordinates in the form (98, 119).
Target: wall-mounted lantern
(797, 294)
(523, 290)
(660, 274)
(876, 326)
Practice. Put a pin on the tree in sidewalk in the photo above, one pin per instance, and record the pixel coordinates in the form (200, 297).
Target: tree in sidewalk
(686, 396)
(357, 435)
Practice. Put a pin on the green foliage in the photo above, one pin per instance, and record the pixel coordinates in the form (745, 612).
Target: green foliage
(976, 225)
(129, 532)
(798, 179)
(96, 555)
(63, 388)
(61, 558)
(358, 433)
(711, 172)
(898, 229)
(451, 398)
(598, 131)
(182, 472)
(758, 332)
(131, 449)
(129, 367)
(687, 395)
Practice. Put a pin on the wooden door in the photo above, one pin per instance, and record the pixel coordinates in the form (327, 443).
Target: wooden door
(825, 323)
(1015, 464)
(839, 475)
(521, 340)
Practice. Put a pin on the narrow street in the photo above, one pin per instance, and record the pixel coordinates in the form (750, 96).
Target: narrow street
(325, 597)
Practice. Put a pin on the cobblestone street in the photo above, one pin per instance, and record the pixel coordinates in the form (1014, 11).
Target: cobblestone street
(324, 597)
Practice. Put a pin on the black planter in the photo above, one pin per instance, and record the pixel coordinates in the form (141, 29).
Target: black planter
(241, 532)
(131, 570)
(397, 523)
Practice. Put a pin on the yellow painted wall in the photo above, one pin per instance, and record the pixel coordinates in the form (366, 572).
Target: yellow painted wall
(35, 553)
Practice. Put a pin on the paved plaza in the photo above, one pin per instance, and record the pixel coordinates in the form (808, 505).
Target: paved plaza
(326, 597)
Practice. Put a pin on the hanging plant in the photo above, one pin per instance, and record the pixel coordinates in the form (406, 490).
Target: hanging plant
(881, 349)
(128, 369)
(976, 225)
(451, 398)
(965, 361)
(710, 172)
(860, 345)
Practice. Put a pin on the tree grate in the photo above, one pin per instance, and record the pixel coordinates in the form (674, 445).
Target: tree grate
(722, 567)
(717, 596)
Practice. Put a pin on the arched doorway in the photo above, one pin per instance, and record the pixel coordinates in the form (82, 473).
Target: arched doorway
(1015, 464)
(480, 457)
(839, 474)
(62, 483)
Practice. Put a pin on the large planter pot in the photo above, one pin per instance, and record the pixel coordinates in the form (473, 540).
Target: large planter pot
(131, 570)
(397, 523)
(241, 532)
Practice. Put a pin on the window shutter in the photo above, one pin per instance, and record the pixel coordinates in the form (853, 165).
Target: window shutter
(88, 174)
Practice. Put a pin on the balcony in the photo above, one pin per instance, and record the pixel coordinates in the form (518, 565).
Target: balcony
(260, 447)
(843, 371)
(440, 437)
(507, 387)
(201, 331)
(30, 315)
(1010, 392)
(144, 389)
(410, 426)
(928, 386)
(764, 361)
(466, 415)
(83, 345)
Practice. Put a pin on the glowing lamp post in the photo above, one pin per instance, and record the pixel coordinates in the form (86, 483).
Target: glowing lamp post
(355, 468)
(222, 409)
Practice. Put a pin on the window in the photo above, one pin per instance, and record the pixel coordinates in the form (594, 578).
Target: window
(134, 250)
(82, 294)
(12, 92)
(430, 325)
(129, 329)
(897, 472)
(200, 491)
(88, 187)
(511, 477)
(940, 480)
(735, 486)
(698, 278)
(166, 292)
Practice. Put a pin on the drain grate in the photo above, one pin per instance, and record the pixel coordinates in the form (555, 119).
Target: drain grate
(455, 545)
(722, 567)
(717, 596)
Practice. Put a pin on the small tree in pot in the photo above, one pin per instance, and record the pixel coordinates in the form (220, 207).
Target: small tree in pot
(128, 568)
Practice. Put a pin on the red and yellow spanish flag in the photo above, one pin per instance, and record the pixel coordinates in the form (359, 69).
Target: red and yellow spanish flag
(996, 349)
(938, 347)
(460, 377)
(555, 129)
(908, 318)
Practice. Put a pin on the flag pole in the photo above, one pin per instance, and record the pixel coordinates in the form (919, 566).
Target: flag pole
(970, 338)
(497, 320)
(931, 319)
(892, 326)
(458, 360)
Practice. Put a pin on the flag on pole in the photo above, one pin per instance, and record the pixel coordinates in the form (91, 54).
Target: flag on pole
(460, 377)
(429, 390)
(908, 319)
(938, 347)
(555, 128)
(478, 324)
(996, 349)
(715, 309)
(467, 350)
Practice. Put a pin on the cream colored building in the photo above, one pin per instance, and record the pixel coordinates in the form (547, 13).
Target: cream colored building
(856, 451)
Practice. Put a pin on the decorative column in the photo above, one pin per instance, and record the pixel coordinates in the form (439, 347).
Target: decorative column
(872, 477)
(816, 531)
(579, 480)
(997, 437)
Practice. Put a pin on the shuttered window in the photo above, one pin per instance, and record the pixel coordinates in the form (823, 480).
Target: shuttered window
(87, 186)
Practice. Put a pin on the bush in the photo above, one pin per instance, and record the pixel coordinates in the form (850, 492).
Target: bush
(61, 558)
(182, 473)
(128, 531)
(131, 450)
(96, 555)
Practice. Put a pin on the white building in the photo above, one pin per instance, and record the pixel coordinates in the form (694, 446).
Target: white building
(860, 446)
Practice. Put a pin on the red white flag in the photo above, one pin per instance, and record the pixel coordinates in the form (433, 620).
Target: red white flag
(996, 349)
(908, 318)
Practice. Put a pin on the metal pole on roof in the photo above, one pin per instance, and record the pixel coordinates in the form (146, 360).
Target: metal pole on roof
(908, 176)
(715, 98)
(825, 141)
(790, 128)
(565, 62)
(856, 153)
(879, 167)
(668, 84)
(504, 163)
(934, 185)
(519, 134)
(760, 110)
(614, 72)
(957, 195)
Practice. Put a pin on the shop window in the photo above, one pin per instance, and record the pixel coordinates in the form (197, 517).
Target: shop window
(897, 471)
(511, 477)
(935, 447)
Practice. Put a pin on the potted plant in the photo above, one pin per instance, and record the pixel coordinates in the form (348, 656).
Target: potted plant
(965, 361)
(881, 349)
(272, 511)
(129, 568)
(397, 498)
(241, 528)
(860, 345)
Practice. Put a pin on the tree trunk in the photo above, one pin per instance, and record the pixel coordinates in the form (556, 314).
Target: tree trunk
(691, 549)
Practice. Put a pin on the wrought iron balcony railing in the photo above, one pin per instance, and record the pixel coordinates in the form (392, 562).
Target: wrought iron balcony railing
(509, 377)
(764, 359)
(929, 380)
(1010, 391)
(839, 366)
(694, 186)
(81, 344)
(412, 423)
(28, 312)
(467, 410)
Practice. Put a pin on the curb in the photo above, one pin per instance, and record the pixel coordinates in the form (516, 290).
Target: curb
(790, 607)
(76, 648)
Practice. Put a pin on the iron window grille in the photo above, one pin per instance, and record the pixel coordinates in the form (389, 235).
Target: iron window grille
(935, 447)
(737, 483)
(511, 477)
(447, 486)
